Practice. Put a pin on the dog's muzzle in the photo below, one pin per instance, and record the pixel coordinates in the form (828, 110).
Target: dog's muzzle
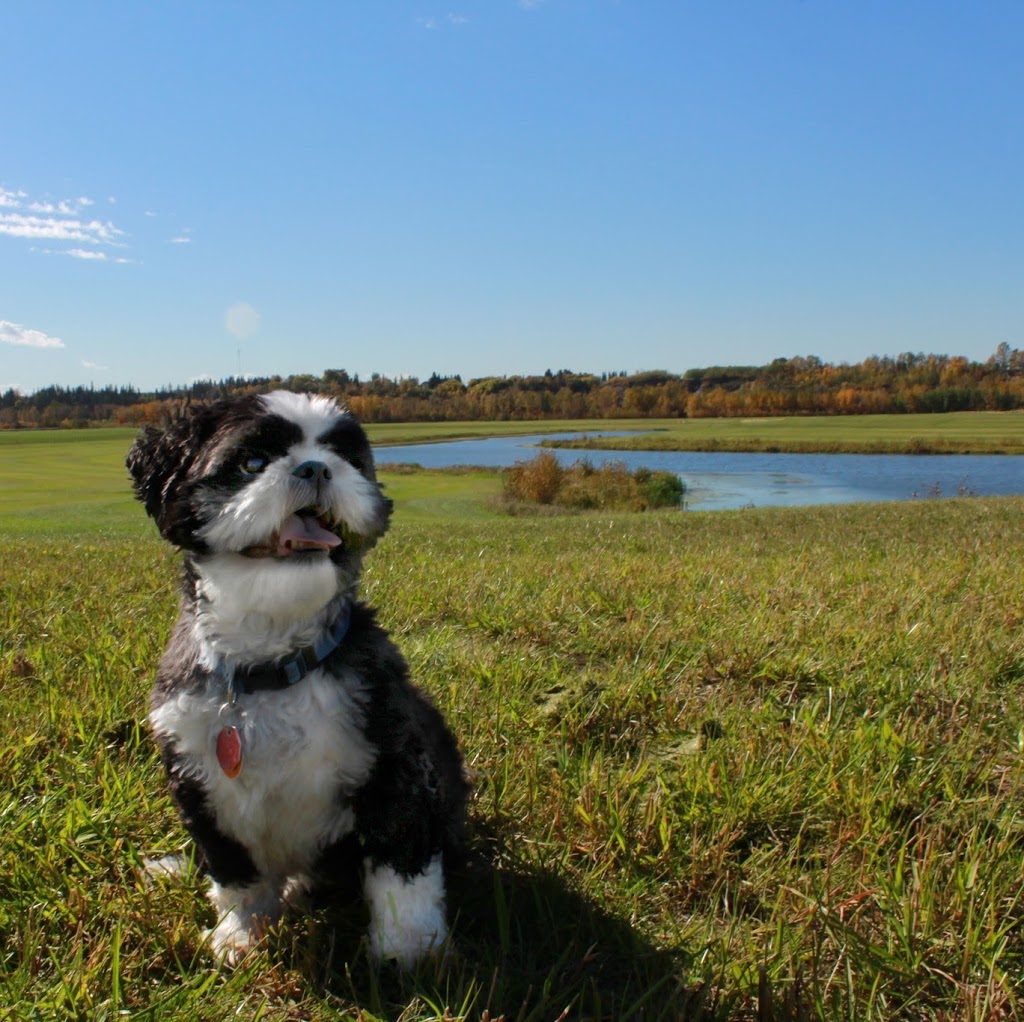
(306, 531)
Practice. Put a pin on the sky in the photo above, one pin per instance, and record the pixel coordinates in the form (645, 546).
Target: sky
(203, 188)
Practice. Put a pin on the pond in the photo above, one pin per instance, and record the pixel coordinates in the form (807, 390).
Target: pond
(719, 481)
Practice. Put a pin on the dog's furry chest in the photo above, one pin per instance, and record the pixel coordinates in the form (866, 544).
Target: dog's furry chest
(302, 752)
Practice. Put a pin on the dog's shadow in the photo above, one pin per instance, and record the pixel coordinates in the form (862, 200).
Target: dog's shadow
(525, 946)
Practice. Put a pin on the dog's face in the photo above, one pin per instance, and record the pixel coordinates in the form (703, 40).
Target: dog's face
(278, 490)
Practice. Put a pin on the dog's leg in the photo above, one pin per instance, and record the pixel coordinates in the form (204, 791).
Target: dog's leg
(246, 903)
(401, 823)
(407, 913)
(243, 916)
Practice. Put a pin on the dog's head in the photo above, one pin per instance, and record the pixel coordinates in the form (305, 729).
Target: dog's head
(269, 487)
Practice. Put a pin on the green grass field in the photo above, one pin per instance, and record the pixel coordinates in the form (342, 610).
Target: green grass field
(761, 764)
(951, 433)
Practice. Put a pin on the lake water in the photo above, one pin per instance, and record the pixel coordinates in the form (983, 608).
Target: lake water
(717, 481)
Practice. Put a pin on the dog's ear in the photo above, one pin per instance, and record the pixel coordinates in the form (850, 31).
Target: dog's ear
(160, 463)
(144, 462)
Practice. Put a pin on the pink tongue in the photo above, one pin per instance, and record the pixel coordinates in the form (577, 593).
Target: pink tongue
(304, 533)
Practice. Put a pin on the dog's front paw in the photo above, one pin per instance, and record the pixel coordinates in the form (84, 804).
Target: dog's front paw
(231, 940)
(407, 943)
(407, 917)
(245, 915)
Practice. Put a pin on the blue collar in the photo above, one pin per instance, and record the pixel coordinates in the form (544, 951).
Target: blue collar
(278, 674)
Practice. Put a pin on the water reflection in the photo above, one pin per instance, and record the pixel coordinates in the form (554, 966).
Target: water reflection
(720, 481)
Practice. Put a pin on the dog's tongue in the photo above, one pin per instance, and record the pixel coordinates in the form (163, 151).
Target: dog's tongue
(302, 532)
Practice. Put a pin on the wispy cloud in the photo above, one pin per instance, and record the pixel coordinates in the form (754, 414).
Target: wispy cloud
(59, 228)
(11, 200)
(15, 333)
(86, 364)
(91, 255)
(66, 207)
(59, 220)
(430, 23)
(87, 253)
(183, 238)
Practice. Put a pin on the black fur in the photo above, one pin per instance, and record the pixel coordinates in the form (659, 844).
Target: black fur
(410, 806)
(163, 466)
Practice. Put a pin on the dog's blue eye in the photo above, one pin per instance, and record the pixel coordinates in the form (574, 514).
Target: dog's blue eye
(254, 464)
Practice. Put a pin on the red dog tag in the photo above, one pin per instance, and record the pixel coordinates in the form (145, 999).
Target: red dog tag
(229, 751)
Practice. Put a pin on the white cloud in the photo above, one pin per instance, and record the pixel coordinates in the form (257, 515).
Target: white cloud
(66, 207)
(59, 228)
(431, 23)
(86, 364)
(56, 220)
(11, 200)
(242, 320)
(87, 253)
(15, 333)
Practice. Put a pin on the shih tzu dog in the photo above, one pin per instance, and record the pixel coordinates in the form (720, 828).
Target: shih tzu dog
(295, 745)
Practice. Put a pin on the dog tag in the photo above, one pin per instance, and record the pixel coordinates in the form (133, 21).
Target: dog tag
(229, 751)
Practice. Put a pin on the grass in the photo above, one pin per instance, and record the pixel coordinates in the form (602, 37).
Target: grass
(763, 764)
(947, 433)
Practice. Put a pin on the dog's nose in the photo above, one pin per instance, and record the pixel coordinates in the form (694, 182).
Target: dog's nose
(314, 471)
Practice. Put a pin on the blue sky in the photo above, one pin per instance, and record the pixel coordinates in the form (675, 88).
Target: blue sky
(500, 186)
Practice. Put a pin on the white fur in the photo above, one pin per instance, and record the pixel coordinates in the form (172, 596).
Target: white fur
(262, 607)
(248, 517)
(309, 411)
(407, 915)
(298, 747)
(256, 609)
(244, 915)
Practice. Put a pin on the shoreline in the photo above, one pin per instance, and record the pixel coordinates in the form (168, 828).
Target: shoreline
(755, 445)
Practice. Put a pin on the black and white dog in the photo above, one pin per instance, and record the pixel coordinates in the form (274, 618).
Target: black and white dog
(294, 742)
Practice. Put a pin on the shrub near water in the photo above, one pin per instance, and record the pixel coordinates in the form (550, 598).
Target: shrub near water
(582, 486)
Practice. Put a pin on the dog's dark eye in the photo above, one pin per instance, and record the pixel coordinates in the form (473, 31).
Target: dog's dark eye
(253, 464)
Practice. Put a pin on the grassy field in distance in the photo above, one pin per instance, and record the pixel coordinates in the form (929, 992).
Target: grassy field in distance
(74, 482)
(78, 477)
(951, 433)
(728, 765)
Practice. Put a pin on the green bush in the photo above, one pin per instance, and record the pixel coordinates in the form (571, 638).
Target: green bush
(661, 489)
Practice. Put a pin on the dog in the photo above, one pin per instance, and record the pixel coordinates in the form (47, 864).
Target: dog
(297, 750)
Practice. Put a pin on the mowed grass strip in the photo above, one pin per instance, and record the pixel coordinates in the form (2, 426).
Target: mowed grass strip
(763, 763)
(946, 433)
(951, 432)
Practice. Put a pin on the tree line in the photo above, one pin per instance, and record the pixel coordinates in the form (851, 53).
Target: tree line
(803, 385)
